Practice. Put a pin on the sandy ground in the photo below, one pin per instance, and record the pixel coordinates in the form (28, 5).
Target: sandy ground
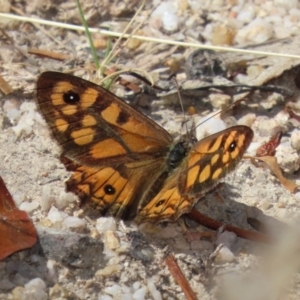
(70, 262)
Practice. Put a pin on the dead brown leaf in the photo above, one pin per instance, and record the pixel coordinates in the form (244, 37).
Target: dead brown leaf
(269, 148)
(271, 161)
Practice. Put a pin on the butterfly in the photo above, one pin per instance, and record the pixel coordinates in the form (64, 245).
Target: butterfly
(123, 163)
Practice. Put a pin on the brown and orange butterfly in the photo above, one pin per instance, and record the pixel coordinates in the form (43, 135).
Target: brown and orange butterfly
(124, 163)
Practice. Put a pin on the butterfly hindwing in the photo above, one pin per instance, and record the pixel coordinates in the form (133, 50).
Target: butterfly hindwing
(213, 157)
(208, 161)
(117, 191)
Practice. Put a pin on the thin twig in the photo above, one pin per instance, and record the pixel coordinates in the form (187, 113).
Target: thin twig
(179, 277)
(208, 222)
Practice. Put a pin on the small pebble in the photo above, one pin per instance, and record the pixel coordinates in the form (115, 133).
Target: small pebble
(287, 4)
(247, 120)
(140, 294)
(126, 296)
(105, 297)
(206, 126)
(134, 43)
(282, 118)
(165, 16)
(288, 159)
(136, 285)
(226, 238)
(64, 199)
(29, 207)
(11, 108)
(265, 204)
(113, 290)
(219, 101)
(257, 31)
(5, 284)
(52, 270)
(155, 293)
(108, 271)
(111, 240)
(223, 255)
(295, 139)
(254, 71)
(223, 35)
(36, 289)
(27, 120)
(104, 224)
(74, 224)
(246, 15)
(56, 216)
(47, 198)
(60, 292)
(18, 293)
(265, 126)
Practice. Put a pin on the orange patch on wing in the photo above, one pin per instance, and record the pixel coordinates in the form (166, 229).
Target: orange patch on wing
(138, 143)
(61, 125)
(217, 174)
(192, 176)
(85, 188)
(173, 206)
(194, 158)
(83, 136)
(94, 186)
(88, 98)
(205, 174)
(68, 110)
(88, 121)
(57, 99)
(163, 195)
(58, 90)
(111, 113)
(214, 159)
(107, 148)
(216, 144)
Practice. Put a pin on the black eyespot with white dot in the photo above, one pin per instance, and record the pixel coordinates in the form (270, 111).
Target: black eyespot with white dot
(232, 146)
(109, 189)
(71, 97)
(159, 203)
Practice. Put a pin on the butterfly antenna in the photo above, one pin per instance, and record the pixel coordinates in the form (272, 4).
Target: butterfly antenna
(181, 104)
(230, 106)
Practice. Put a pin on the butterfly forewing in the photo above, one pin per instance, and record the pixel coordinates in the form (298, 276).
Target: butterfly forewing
(95, 127)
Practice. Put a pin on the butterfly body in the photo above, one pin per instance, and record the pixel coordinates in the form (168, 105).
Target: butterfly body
(124, 163)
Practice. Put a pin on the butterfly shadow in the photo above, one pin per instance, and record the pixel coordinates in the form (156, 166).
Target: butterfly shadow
(79, 253)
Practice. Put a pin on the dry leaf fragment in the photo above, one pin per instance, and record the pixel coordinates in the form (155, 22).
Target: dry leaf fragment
(48, 54)
(292, 114)
(5, 87)
(269, 148)
(271, 161)
(17, 231)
